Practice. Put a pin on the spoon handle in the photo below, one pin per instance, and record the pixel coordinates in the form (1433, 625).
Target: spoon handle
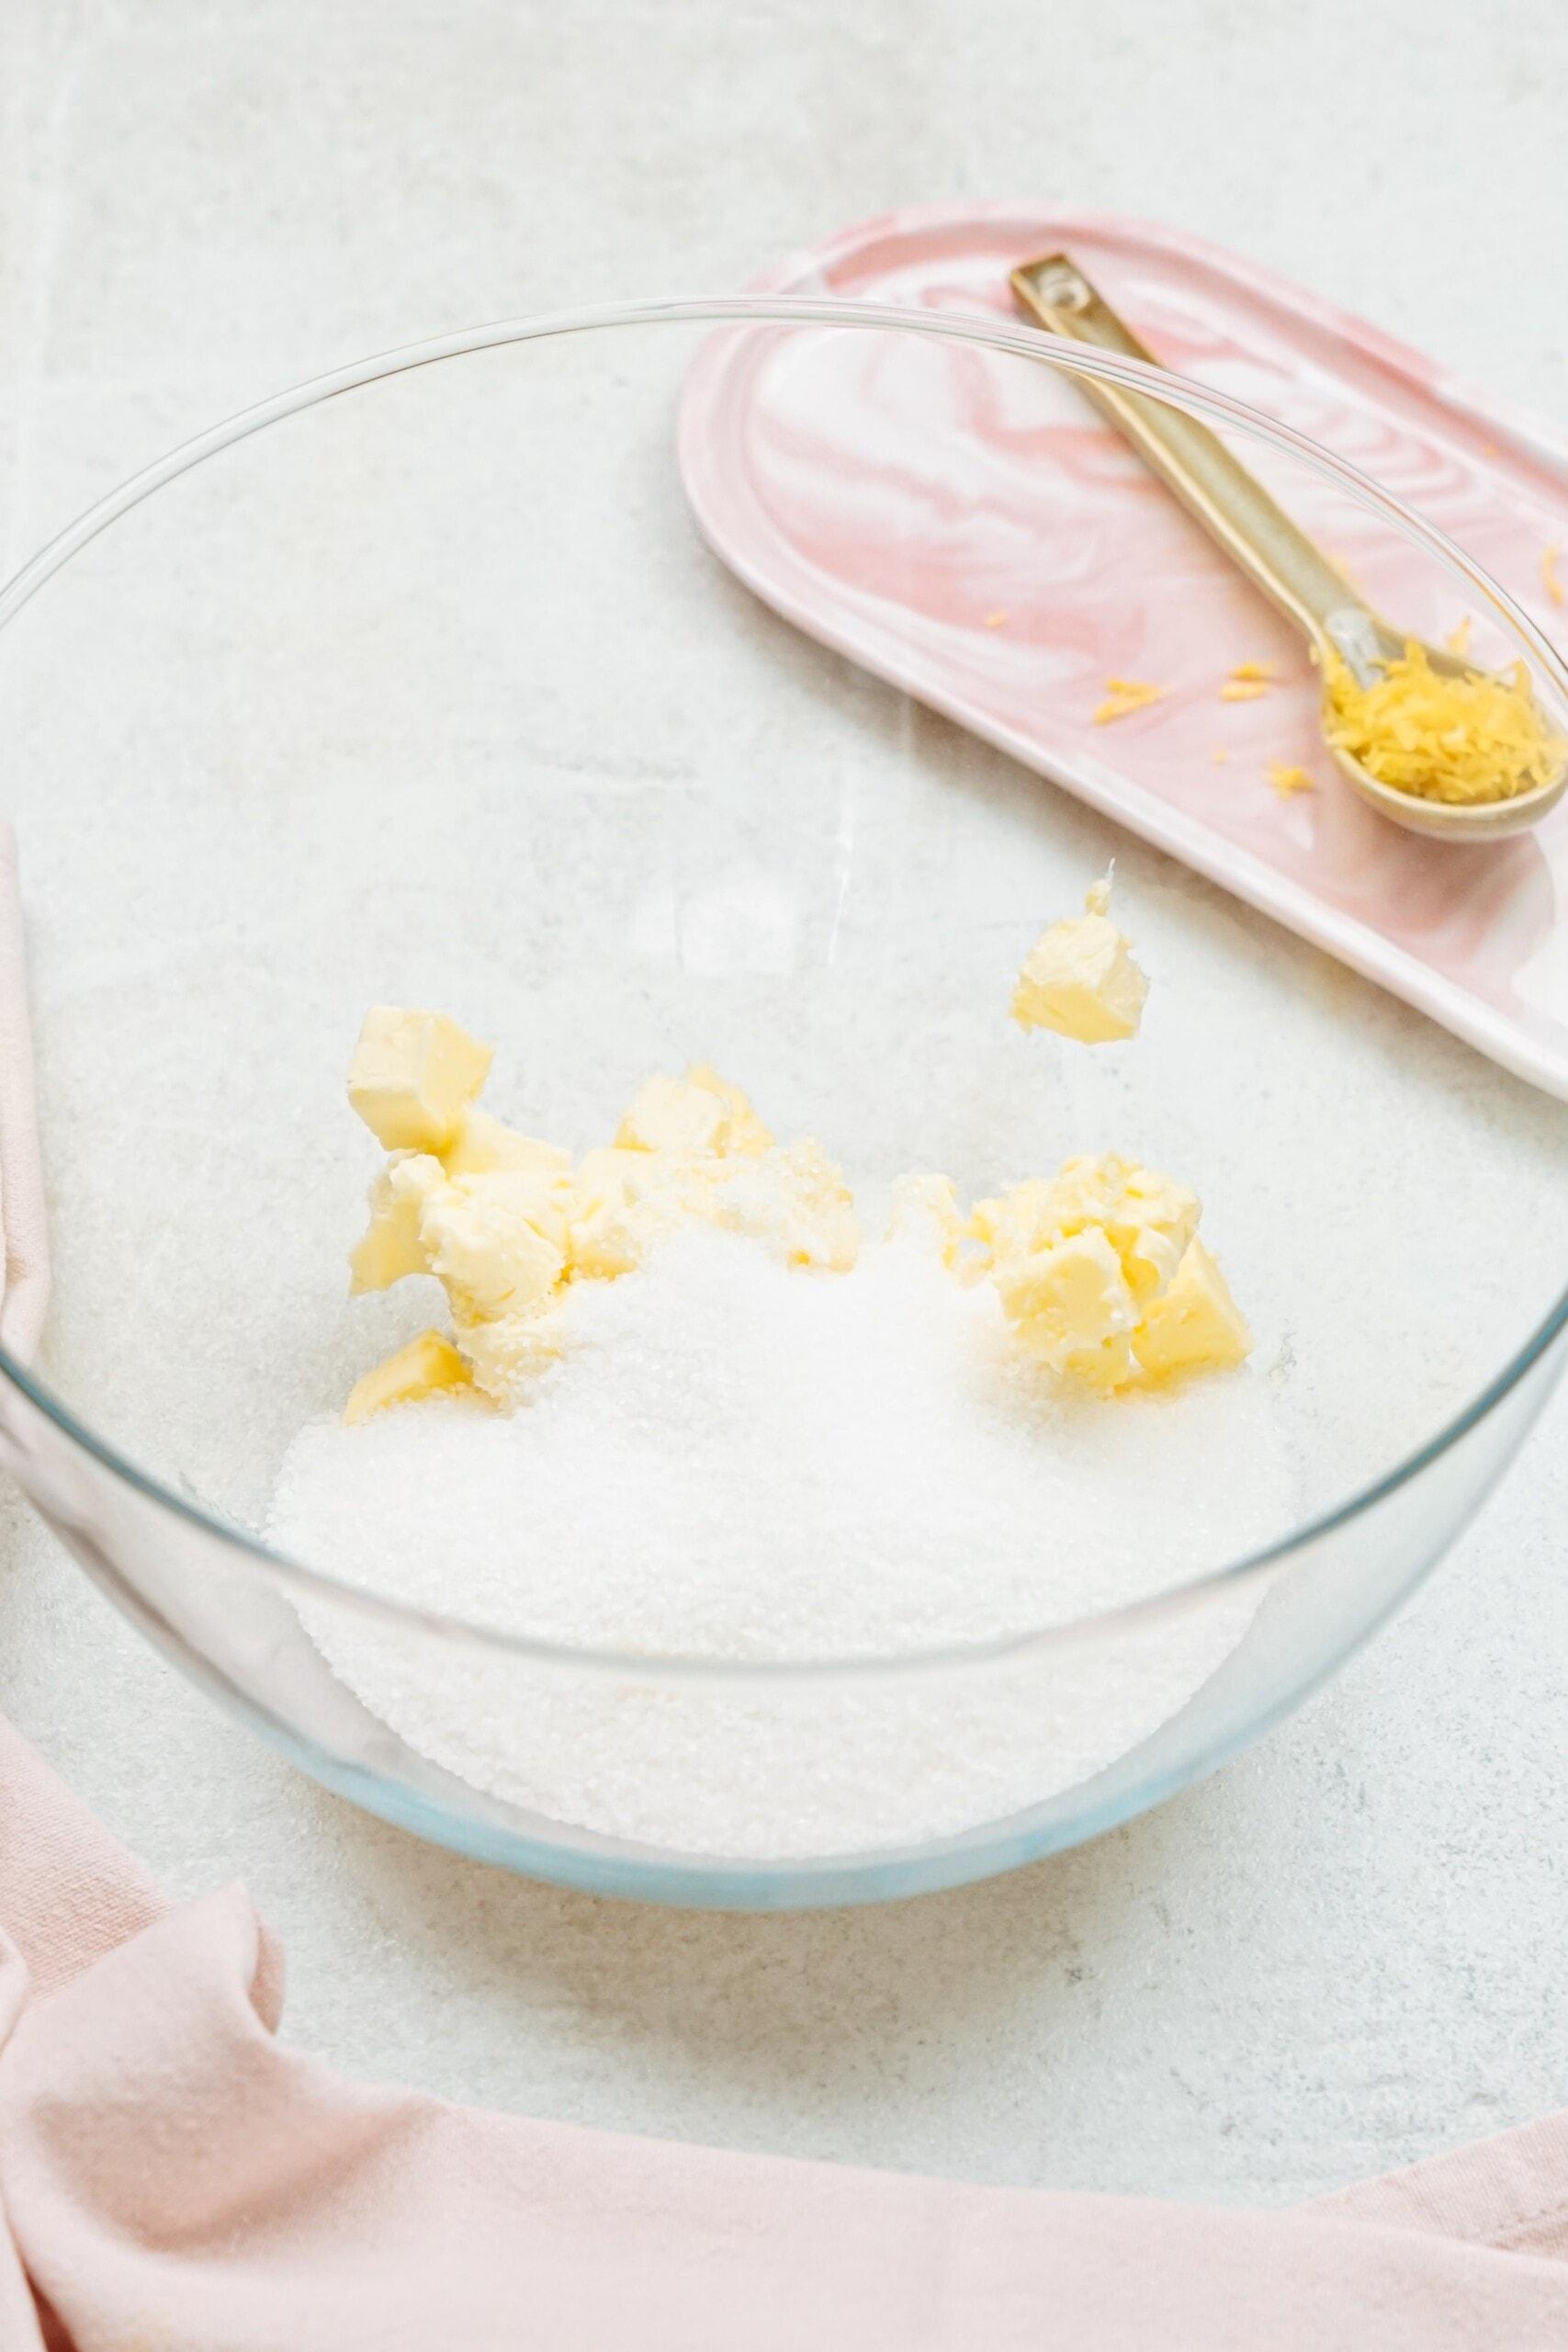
(1234, 509)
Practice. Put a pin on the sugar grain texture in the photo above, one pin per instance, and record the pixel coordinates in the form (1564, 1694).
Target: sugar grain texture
(738, 1461)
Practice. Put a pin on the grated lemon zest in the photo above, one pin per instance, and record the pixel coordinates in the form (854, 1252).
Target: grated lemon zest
(1457, 739)
(1124, 695)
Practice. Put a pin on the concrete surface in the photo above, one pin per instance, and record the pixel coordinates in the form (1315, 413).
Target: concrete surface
(1345, 1951)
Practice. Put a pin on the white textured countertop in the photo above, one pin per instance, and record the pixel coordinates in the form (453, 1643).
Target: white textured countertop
(1345, 1951)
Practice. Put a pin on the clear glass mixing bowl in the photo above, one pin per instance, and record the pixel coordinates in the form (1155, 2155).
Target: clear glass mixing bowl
(418, 684)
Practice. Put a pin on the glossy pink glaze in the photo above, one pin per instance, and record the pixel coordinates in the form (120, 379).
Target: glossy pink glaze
(888, 495)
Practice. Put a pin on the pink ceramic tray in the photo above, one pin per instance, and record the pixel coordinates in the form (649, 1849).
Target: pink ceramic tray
(816, 468)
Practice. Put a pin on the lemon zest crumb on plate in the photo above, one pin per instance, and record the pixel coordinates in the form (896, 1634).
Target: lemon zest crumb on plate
(1124, 695)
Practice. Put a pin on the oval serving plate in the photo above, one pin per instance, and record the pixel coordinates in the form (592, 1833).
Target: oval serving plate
(816, 462)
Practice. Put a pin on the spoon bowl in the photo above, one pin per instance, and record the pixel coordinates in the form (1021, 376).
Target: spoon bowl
(1365, 642)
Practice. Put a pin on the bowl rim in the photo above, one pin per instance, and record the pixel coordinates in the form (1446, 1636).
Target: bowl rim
(761, 311)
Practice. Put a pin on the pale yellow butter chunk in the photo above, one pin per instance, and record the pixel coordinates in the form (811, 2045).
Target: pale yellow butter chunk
(481, 1144)
(794, 1201)
(625, 1199)
(1071, 1305)
(496, 1241)
(506, 1356)
(426, 1365)
(672, 1114)
(700, 1113)
(744, 1132)
(1079, 977)
(1012, 1223)
(1193, 1325)
(412, 1076)
(1078, 1260)
(392, 1245)
(1148, 1217)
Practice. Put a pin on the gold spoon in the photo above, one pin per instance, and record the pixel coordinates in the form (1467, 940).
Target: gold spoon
(1263, 542)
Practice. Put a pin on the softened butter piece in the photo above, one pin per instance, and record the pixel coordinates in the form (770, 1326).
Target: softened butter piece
(506, 1356)
(1070, 1303)
(672, 1114)
(1149, 1218)
(626, 1198)
(480, 1145)
(793, 1199)
(496, 1240)
(744, 1133)
(701, 1113)
(412, 1076)
(1079, 977)
(392, 1246)
(1078, 1260)
(1195, 1324)
(426, 1365)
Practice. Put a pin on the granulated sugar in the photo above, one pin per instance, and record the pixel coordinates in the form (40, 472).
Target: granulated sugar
(740, 1461)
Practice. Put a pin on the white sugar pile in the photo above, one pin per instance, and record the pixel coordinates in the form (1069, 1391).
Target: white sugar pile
(749, 1463)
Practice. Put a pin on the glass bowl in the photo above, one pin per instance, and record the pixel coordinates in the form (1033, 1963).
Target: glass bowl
(418, 684)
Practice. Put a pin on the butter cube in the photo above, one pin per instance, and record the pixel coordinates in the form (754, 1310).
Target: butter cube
(1150, 1218)
(1195, 1323)
(412, 1076)
(1012, 1224)
(496, 1240)
(1079, 1261)
(672, 1114)
(1079, 977)
(744, 1132)
(604, 1236)
(1071, 1305)
(426, 1365)
(481, 1144)
(390, 1246)
(626, 1198)
(507, 1356)
(701, 1113)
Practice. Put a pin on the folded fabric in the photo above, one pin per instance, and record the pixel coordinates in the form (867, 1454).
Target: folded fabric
(173, 2179)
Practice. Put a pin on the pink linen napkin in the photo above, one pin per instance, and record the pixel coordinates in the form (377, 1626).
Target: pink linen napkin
(172, 2179)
